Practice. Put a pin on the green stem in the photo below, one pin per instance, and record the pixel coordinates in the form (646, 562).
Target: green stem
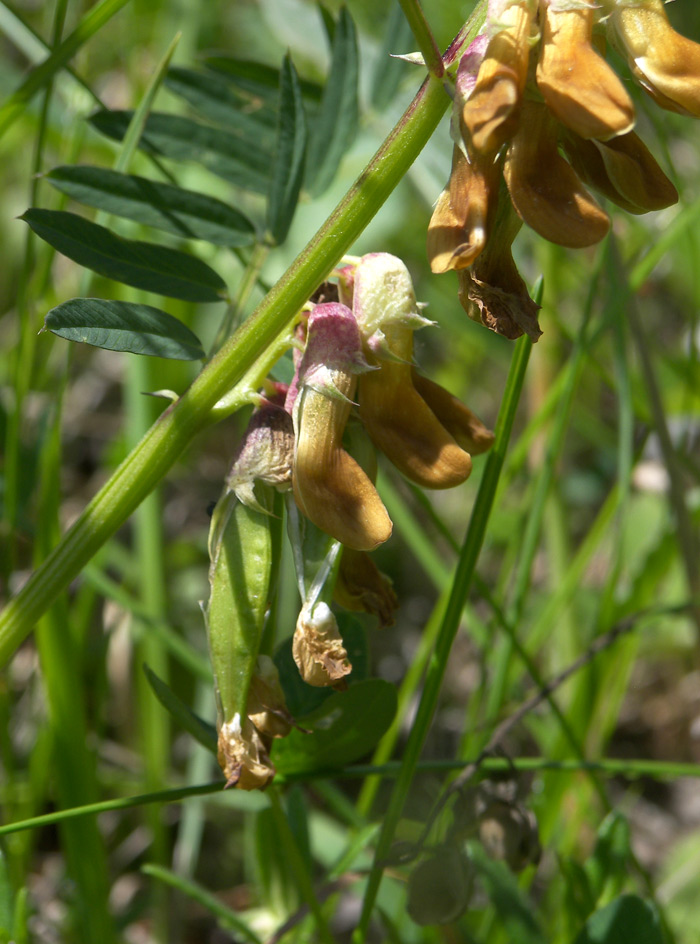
(234, 311)
(167, 439)
(458, 596)
(423, 35)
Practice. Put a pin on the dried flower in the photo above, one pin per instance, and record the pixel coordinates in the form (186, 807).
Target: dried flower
(318, 648)
(243, 756)
(267, 708)
(265, 453)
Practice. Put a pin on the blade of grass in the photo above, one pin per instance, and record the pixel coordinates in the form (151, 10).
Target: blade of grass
(460, 589)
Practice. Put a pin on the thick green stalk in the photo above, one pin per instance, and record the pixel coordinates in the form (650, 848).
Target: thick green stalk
(458, 596)
(166, 440)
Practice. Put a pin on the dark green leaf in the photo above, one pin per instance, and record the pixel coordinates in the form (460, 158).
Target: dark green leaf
(219, 100)
(515, 911)
(288, 172)
(258, 81)
(183, 139)
(124, 326)
(346, 727)
(185, 717)
(182, 212)
(301, 698)
(609, 862)
(143, 265)
(626, 920)
(336, 125)
(389, 72)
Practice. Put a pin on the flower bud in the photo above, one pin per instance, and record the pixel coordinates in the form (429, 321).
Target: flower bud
(330, 488)
(545, 190)
(318, 648)
(577, 84)
(265, 454)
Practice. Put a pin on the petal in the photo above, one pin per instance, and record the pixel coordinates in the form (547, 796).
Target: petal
(576, 83)
(545, 190)
(666, 64)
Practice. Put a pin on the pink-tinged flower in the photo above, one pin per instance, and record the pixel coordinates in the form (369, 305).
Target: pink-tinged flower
(265, 453)
(577, 84)
(666, 64)
(330, 488)
(490, 113)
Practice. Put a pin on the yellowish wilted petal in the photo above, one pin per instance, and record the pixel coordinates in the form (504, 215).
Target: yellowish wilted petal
(577, 84)
(242, 755)
(545, 190)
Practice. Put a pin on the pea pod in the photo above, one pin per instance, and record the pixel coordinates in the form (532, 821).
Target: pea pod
(242, 545)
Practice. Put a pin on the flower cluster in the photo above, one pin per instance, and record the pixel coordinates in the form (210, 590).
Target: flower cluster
(539, 116)
(355, 388)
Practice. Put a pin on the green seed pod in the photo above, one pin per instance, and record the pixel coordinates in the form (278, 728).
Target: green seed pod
(241, 547)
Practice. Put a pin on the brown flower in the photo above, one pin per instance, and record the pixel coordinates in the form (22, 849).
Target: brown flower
(362, 587)
(243, 756)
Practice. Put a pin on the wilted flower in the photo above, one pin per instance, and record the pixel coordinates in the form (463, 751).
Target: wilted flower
(511, 118)
(361, 586)
(243, 756)
(330, 487)
(267, 708)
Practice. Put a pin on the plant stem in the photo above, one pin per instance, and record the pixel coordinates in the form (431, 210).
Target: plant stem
(423, 35)
(438, 663)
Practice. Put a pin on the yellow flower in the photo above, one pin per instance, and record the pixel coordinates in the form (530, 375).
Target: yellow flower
(577, 84)
(330, 488)
(666, 64)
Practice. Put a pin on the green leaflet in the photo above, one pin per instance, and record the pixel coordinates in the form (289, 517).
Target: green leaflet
(184, 213)
(124, 326)
(143, 265)
(241, 543)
